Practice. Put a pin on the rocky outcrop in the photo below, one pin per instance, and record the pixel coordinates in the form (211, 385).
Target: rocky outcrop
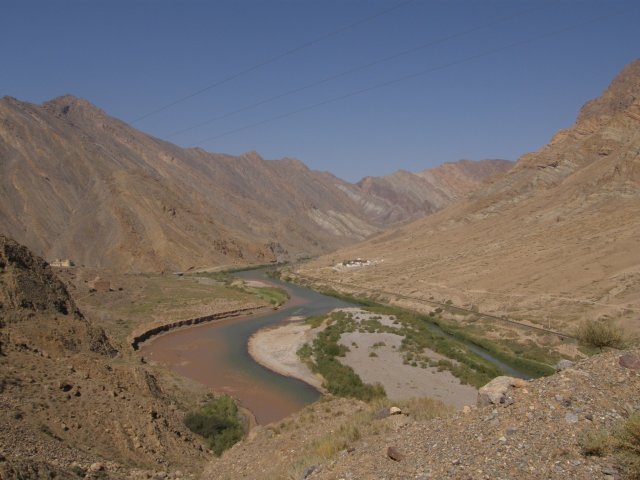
(65, 403)
(29, 283)
(29, 286)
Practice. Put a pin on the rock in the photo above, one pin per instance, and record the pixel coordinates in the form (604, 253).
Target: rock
(518, 382)
(629, 360)
(466, 409)
(571, 418)
(65, 386)
(563, 365)
(308, 471)
(96, 467)
(495, 391)
(395, 411)
(394, 454)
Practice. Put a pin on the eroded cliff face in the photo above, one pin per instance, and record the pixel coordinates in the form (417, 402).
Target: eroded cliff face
(555, 238)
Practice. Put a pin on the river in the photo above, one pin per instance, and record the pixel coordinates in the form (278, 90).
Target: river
(215, 354)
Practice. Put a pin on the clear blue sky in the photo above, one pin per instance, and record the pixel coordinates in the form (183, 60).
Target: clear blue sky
(132, 57)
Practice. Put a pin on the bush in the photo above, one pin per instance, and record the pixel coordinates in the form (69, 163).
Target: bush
(600, 334)
(595, 443)
(219, 422)
(628, 437)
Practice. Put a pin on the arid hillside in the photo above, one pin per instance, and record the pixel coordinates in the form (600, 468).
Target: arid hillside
(72, 404)
(555, 240)
(78, 184)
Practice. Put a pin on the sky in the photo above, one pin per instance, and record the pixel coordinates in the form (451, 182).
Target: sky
(354, 87)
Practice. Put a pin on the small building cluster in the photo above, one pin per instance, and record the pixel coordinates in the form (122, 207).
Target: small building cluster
(358, 262)
(62, 263)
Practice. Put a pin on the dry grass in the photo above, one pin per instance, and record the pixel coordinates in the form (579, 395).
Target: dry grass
(357, 426)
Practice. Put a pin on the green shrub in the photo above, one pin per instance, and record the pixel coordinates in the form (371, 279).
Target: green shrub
(600, 334)
(339, 379)
(595, 442)
(219, 422)
(628, 438)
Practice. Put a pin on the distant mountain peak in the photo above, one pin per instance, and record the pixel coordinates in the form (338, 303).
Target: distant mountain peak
(622, 92)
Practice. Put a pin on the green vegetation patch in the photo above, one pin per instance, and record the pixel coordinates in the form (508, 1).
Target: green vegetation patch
(219, 422)
(321, 356)
(529, 359)
(273, 295)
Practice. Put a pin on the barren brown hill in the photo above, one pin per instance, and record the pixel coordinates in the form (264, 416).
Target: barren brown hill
(554, 240)
(76, 183)
(66, 401)
(412, 195)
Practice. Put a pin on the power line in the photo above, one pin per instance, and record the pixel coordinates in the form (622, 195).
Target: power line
(353, 70)
(414, 75)
(272, 59)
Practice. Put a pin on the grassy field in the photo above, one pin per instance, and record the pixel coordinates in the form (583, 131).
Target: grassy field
(272, 295)
(139, 299)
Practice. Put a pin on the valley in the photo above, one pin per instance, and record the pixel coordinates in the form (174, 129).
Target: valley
(171, 313)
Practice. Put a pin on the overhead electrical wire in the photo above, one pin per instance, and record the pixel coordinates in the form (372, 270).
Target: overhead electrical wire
(354, 69)
(271, 60)
(414, 75)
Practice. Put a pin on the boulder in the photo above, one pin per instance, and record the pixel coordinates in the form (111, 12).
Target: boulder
(394, 454)
(629, 360)
(495, 392)
(563, 365)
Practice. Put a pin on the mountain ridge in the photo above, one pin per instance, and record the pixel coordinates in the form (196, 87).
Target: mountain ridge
(79, 184)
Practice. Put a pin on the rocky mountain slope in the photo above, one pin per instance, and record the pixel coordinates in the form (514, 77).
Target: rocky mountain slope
(542, 429)
(68, 398)
(411, 195)
(555, 240)
(76, 183)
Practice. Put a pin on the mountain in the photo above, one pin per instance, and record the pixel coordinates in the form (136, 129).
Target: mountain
(412, 195)
(554, 240)
(78, 184)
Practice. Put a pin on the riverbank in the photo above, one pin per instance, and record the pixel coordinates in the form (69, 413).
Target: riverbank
(275, 348)
(145, 332)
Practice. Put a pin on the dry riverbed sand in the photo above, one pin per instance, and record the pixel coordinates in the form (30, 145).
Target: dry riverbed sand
(276, 348)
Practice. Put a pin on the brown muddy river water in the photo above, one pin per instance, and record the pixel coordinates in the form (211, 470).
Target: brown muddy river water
(215, 354)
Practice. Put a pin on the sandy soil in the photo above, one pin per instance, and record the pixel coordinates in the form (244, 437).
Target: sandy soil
(275, 348)
(399, 380)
